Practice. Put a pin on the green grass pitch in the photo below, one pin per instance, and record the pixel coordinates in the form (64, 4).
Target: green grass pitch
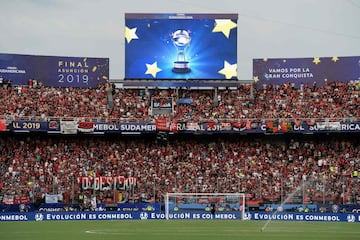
(177, 229)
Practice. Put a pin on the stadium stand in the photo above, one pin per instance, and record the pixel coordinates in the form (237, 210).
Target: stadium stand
(268, 169)
(335, 100)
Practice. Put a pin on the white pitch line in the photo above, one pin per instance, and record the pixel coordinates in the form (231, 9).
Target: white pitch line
(107, 232)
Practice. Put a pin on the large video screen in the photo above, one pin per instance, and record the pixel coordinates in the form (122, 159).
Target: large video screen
(181, 46)
(56, 71)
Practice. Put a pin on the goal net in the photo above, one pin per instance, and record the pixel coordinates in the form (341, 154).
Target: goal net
(206, 205)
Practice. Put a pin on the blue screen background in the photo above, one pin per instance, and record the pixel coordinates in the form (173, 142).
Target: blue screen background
(206, 53)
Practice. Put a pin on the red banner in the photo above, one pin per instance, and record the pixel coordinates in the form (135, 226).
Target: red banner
(162, 124)
(21, 200)
(86, 127)
(2, 125)
(107, 183)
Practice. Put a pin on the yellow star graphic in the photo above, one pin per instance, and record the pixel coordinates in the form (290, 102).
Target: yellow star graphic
(265, 59)
(316, 60)
(229, 70)
(256, 79)
(335, 59)
(224, 26)
(152, 69)
(130, 34)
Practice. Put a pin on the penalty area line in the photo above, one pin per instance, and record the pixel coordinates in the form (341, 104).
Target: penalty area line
(107, 232)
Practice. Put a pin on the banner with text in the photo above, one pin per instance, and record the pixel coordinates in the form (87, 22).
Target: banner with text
(126, 127)
(162, 105)
(279, 126)
(266, 127)
(306, 70)
(54, 71)
(181, 215)
(29, 126)
(308, 217)
(107, 183)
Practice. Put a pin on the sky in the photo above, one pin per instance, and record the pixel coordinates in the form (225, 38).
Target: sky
(266, 29)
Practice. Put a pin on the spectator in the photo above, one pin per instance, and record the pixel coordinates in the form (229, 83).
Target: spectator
(262, 168)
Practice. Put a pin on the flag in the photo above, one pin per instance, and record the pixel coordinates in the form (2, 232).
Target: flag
(211, 124)
(86, 127)
(51, 198)
(174, 127)
(284, 126)
(239, 126)
(192, 126)
(162, 124)
(272, 126)
(68, 127)
(269, 127)
(311, 122)
(2, 125)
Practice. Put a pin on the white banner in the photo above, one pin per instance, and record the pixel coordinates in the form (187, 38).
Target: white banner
(68, 127)
(51, 198)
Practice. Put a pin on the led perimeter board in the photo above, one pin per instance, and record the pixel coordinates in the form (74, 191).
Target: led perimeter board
(181, 46)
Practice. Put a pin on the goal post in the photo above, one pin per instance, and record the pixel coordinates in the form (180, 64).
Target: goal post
(203, 202)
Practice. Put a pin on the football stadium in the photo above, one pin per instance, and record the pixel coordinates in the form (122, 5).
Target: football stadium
(153, 129)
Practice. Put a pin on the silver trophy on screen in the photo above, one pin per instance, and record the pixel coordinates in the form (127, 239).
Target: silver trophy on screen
(181, 40)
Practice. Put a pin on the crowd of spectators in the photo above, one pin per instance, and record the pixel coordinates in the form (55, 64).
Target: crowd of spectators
(36, 101)
(323, 169)
(334, 100)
